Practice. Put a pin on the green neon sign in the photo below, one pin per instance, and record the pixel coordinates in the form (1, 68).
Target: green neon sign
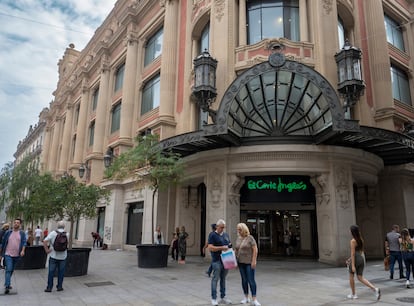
(279, 186)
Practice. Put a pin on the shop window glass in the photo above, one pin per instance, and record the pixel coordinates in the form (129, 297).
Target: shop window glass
(400, 85)
(153, 48)
(116, 118)
(151, 95)
(394, 33)
(272, 19)
(95, 99)
(119, 78)
(91, 133)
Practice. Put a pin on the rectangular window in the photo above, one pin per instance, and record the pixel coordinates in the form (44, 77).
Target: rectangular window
(151, 95)
(272, 19)
(116, 118)
(153, 48)
(119, 78)
(91, 133)
(394, 33)
(95, 99)
(73, 147)
(400, 85)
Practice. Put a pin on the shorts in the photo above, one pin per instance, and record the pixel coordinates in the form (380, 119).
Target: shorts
(359, 264)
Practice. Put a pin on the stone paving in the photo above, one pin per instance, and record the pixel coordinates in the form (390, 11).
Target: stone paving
(115, 279)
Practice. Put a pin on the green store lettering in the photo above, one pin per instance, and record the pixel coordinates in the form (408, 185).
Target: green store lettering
(280, 186)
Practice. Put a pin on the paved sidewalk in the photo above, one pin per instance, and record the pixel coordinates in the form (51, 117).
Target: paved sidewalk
(115, 279)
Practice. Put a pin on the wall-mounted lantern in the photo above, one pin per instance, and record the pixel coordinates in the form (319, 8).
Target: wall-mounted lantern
(350, 83)
(204, 88)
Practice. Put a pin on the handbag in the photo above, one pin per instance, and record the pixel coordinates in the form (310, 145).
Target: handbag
(387, 263)
(228, 258)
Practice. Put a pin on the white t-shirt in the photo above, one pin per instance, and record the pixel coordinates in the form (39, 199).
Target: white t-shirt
(51, 238)
(38, 232)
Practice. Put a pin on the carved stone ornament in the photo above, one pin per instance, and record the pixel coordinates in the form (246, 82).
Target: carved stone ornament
(216, 191)
(219, 8)
(327, 6)
(277, 59)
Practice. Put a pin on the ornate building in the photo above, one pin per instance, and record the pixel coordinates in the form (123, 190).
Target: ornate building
(281, 143)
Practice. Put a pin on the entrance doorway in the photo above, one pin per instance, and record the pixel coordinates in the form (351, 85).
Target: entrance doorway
(283, 232)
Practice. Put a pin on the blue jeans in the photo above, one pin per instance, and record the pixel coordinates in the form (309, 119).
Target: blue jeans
(219, 273)
(409, 263)
(396, 256)
(247, 278)
(53, 265)
(10, 264)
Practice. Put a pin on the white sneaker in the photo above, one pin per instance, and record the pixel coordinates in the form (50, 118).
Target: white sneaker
(225, 301)
(256, 303)
(377, 293)
(352, 296)
(245, 301)
(407, 284)
(214, 302)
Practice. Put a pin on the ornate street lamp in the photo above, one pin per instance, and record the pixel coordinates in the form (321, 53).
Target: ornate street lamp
(109, 155)
(82, 169)
(350, 83)
(204, 88)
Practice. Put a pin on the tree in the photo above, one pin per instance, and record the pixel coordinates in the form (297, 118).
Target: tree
(150, 165)
(73, 200)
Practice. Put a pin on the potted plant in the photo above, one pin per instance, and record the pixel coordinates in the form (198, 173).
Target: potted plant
(74, 200)
(157, 169)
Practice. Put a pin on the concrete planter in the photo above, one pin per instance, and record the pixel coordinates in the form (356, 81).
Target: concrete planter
(152, 255)
(77, 262)
(34, 258)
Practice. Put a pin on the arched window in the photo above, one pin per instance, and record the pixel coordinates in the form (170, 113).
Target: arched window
(341, 33)
(272, 19)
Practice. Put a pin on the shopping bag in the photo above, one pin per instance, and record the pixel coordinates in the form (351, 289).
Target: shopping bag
(387, 263)
(229, 259)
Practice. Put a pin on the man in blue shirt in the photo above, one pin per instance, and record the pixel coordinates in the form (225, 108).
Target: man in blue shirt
(218, 241)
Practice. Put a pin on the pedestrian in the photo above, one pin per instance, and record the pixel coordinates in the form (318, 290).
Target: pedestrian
(218, 241)
(38, 235)
(357, 263)
(246, 254)
(174, 246)
(57, 259)
(392, 248)
(175, 250)
(205, 248)
(286, 242)
(182, 244)
(158, 237)
(407, 254)
(5, 227)
(45, 233)
(13, 247)
(30, 238)
(96, 239)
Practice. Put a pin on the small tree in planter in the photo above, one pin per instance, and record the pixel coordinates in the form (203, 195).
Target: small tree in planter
(74, 200)
(150, 166)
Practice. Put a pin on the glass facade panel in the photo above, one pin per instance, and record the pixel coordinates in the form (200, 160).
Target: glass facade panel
(400, 85)
(151, 95)
(116, 118)
(119, 78)
(153, 48)
(394, 33)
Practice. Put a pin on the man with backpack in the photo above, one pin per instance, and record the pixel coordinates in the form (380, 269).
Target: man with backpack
(56, 243)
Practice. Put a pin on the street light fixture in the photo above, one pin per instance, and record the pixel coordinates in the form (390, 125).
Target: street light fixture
(82, 170)
(108, 157)
(204, 88)
(350, 83)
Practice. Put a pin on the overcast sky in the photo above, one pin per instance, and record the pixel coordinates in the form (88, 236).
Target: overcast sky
(33, 37)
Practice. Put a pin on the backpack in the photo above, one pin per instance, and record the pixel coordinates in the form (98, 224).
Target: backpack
(61, 242)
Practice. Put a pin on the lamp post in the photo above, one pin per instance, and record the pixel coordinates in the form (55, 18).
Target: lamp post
(350, 83)
(82, 169)
(204, 88)
(108, 157)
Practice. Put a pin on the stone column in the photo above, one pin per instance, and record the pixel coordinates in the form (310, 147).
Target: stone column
(335, 211)
(379, 60)
(242, 23)
(303, 17)
(46, 149)
(169, 62)
(66, 138)
(128, 90)
(234, 183)
(101, 108)
(82, 130)
(54, 152)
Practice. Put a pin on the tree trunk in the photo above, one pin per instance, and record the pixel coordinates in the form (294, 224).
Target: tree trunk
(152, 215)
(71, 234)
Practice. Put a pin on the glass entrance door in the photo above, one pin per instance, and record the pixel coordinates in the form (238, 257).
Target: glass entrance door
(260, 228)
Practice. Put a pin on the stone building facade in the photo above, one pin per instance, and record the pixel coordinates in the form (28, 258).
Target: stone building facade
(279, 152)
